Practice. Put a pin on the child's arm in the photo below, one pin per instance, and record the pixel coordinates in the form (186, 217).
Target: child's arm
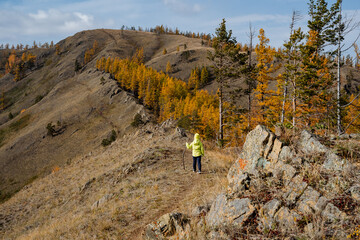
(202, 149)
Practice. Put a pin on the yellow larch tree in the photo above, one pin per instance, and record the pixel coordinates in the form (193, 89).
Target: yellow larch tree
(265, 67)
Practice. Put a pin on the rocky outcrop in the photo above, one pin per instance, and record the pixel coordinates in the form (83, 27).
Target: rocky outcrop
(309, 145)
(279, 190)
(225, 211)
(169, 226)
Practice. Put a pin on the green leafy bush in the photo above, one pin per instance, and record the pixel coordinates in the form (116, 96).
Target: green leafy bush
(137, 120)
(38, 98)
(107, 141)
(50, 129)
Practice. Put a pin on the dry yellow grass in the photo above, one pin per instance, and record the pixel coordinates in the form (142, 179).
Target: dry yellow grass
(87, 108)
(60, 205)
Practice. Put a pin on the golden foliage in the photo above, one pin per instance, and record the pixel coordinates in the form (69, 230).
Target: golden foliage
(90, 52)
(267, 102)
(168, 97)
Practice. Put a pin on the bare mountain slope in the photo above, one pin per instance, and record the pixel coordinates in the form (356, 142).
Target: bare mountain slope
(113, 193)
(83, 110)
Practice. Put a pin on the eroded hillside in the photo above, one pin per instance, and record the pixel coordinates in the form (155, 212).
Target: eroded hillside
(82, 108)
(113, 193)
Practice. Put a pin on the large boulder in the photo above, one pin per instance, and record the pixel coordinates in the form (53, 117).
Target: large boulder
(267, 214)
(294, 190)
(175, 225)
(332, 214)
(226, 212)
(276, 149)
(308, 201)
(355, 192)
(286, 154)
(286, 220)
(258, 145)
(310, 145)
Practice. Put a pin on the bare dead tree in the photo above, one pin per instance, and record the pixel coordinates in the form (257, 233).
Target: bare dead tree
(296, 16)
(250, 80)
(345, 26)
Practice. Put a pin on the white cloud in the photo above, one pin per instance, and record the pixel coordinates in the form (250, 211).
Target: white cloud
(182, 7)
(18, 25)
(55, 21)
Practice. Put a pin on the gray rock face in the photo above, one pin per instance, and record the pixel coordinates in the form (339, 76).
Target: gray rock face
(355, 192)
(333, 161)
(229, 212)
(238, 182)
(101, 201)
(257, 141)
(267, 213)
(308, 200)
(332, 214)
(168, 225)
(286, 219)
(274, 155)
(309, 144)
(269, 145)
(286, 154)
(294, 190)
(282, 171)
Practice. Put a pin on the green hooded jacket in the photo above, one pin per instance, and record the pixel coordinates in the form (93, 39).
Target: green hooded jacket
(196, 146)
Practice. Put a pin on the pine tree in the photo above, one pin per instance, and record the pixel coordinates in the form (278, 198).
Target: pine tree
(77, 66)
(292, 70)
(204, 77)
(57, 49)
(95, 46)
(314, 85)
(323, 21)
(2, 100)
(227, 60)
(168, 68)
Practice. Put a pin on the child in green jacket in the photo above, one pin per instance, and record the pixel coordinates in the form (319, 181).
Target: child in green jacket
(197, 151)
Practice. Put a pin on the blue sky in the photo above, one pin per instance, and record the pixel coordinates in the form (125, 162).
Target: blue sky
(23, 21)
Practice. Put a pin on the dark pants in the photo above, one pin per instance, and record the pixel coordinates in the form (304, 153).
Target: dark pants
(198, 161)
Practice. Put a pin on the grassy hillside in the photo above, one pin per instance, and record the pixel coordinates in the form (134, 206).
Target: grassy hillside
(67, 184)
(83, 109)
(113, 193)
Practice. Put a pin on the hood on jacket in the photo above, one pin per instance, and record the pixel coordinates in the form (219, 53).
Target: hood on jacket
(196, 137)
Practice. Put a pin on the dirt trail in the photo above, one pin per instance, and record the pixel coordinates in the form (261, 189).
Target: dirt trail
(143, 175)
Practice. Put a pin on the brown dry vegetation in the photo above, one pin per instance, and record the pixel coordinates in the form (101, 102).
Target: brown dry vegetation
(142, 175)
(139, 176)
(83, 110)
